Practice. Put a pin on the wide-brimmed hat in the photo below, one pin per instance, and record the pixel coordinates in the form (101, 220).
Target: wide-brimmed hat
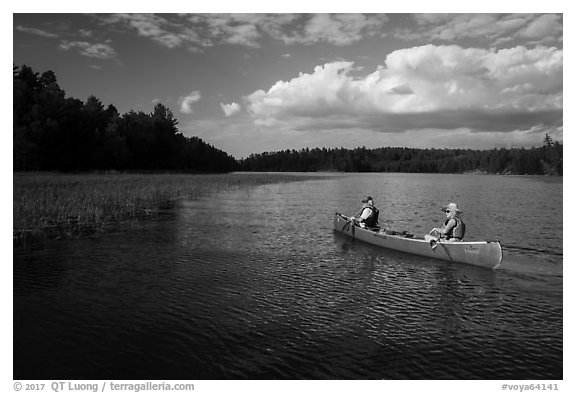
(366, 199)
(451, 207)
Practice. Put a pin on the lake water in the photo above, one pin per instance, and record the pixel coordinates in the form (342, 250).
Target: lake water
(255, 284)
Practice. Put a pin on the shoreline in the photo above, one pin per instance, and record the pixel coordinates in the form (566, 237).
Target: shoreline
(49, 206)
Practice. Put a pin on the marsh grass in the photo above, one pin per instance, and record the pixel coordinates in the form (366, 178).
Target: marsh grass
(48, 205)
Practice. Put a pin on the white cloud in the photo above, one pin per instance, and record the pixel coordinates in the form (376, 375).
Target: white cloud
(423, 87)
(85, 33)
(97, 50)
(496, 27)
(308, 94)
(474, 25)
(340, 29)
(157, 28)
(229, 28)
(542, 26)
(230, 109)
(186, 102)
(204, 30)
(32, 30)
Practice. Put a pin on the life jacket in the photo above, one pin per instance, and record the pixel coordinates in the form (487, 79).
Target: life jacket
(457, 231)
(372, 219)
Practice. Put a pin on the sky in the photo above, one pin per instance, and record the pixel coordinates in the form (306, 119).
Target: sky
(253, 82)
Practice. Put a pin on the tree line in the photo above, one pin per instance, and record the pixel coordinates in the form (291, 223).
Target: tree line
(55, 132)
(545, 160)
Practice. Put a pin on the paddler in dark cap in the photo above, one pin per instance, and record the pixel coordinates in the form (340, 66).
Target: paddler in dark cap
(368, 215)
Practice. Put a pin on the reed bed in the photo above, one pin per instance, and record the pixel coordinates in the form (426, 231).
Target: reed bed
(48, 205)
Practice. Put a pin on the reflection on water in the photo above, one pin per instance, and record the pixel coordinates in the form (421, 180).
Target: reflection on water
(255, 284)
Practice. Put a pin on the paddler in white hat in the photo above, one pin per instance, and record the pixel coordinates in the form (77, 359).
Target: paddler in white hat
(453, 229)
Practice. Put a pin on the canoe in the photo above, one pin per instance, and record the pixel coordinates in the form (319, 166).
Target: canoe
(482, 253)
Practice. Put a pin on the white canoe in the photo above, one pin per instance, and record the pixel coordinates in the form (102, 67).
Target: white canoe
(484, 253)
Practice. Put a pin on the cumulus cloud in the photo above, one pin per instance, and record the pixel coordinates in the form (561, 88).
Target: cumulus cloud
(423, 87)
(95, 50)
(186, 102)
(230, 109)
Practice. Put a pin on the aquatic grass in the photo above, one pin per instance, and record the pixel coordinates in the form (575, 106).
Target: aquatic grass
(49, 205)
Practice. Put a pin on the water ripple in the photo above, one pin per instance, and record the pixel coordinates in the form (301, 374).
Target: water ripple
(270, 292)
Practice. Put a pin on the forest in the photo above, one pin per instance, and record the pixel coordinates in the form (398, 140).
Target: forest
(544, 160)
(52, 132)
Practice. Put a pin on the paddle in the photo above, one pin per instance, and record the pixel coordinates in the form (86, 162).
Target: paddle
(347, 225)
(434, 239)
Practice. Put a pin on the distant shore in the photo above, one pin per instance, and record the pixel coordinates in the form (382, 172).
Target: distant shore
(53, 205)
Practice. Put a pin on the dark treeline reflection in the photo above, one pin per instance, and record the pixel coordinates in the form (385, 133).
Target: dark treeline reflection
(55, 132)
